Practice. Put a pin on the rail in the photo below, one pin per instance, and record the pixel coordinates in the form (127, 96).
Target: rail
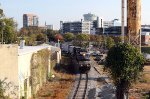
(81, 88)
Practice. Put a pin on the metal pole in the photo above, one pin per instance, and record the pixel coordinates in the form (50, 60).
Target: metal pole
(122, 27)
(104, 37)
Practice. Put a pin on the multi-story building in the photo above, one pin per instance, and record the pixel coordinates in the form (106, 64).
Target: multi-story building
(145, 35)
(107, 24)
(89, 17)
(87, 26)
(95, 22)
(30, 20)
(73, 27)
(49, 27)
(76, 27)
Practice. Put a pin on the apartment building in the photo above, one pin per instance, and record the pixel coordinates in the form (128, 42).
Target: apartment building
(145, 35)
(30, 20)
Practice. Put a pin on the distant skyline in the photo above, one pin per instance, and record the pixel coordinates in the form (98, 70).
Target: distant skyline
(53, 11)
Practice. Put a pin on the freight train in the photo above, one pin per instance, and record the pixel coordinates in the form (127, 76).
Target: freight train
(79, 54)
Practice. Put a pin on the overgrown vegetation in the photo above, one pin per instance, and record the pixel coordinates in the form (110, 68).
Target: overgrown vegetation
(39, 69)
(2, 90)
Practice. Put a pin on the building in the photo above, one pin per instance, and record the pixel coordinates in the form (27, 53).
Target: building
(89, 17)
(110, 28)
(95, 22)
(114, 31)
(145, 35)
(50, 27)
(107, 24)
(25, 68)
(115, 22)
(30, 20)
(87, 26)
(76, 27)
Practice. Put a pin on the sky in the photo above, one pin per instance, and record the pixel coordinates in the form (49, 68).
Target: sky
(53, 11)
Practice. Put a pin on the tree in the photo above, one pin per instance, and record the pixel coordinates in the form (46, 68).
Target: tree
(83, 37)
(82, 40)
(41, 37)
(9, 33)
(51, 34)
(69, 36)
(109, 42)
(59, 37)
(23, 32)
(124, 62)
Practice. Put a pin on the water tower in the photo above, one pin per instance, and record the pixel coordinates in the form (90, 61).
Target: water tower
(134, 22)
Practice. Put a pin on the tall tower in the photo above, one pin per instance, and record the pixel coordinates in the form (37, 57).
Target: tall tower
(134, 22)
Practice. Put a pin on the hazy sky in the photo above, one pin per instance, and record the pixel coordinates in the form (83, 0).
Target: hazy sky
(52, 11)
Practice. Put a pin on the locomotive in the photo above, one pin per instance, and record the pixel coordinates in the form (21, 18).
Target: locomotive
(83, 59)
(79, 54)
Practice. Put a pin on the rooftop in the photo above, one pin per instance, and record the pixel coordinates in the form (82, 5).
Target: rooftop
(32, 49)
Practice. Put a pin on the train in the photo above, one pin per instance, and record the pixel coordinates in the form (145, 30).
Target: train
(81, 56)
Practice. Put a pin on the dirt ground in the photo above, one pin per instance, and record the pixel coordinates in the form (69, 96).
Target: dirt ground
(58, 88)
(142, 87)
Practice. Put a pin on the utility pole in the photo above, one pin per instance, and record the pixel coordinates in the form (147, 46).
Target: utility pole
(122, 19)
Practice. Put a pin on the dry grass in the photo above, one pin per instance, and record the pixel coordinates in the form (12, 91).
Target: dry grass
(61, 85)
(57, 89)
(143, 86)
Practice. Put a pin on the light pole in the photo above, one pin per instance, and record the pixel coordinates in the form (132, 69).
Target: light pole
(122, 19)
(3, 25)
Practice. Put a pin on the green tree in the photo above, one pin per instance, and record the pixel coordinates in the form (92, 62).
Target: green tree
(1, 13)
(109, 42)
(124, 62)
(9, 32)
(82, 40)
(51, 34)
(41, 37)
(83, 37)
(69, 36)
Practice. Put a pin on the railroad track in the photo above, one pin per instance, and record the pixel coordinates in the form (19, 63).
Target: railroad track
(81, 88)
(100, 74)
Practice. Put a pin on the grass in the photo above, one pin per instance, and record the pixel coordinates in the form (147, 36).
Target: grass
(143, 86)
(58, 88)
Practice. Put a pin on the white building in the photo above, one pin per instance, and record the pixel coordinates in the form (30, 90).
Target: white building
(30, 20)
(20, 66)
(89, 17)
(86, 27)
(115, 22)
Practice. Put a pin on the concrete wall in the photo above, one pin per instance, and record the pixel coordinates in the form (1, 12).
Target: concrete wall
(17, 68)
(9, 68)
(24, 74)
